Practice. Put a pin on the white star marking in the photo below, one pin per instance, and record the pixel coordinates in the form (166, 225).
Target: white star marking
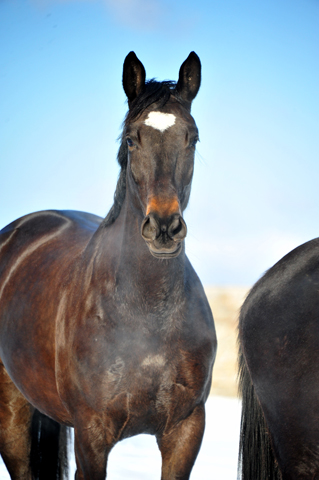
(160, 121)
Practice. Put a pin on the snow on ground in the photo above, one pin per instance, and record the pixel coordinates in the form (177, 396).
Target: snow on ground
(138, 458)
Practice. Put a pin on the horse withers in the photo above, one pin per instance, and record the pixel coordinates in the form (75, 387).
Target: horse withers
(279, 371)
(104, 324)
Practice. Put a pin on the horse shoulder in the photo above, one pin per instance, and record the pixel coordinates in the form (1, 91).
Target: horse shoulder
(200, 335)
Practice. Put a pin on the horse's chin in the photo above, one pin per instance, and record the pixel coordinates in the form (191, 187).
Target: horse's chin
(165, 254)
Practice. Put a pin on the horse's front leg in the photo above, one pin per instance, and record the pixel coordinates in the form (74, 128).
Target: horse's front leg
(92, 446)
(180, 446)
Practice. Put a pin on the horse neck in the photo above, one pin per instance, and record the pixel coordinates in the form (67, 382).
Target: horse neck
(123, 257)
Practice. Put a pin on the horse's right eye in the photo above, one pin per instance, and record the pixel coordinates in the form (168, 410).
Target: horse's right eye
(129, 142)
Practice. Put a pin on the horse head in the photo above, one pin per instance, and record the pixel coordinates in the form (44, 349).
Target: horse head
(160, 135)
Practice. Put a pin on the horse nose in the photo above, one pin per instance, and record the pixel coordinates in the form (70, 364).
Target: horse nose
(174, 227)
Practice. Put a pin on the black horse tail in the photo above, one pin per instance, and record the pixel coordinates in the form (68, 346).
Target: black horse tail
(49, 453)
(256, 460)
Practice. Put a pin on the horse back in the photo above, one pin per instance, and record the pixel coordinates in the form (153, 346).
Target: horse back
(37, 236)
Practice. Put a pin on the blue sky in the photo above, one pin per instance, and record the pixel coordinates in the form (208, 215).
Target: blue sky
(255, 193)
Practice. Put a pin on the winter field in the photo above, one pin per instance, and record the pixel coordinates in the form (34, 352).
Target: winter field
(138, 458)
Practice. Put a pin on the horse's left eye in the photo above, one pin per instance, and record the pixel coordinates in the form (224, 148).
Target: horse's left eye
(193, 142)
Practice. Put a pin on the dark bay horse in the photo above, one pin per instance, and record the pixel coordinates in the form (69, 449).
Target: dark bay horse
(104, 324)
(279, 370)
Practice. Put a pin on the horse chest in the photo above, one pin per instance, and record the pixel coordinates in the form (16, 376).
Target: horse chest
(150, 398)
(148, 369)
(147, 383)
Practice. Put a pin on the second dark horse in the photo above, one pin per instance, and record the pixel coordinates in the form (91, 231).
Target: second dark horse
(279, 374)
(104, 325)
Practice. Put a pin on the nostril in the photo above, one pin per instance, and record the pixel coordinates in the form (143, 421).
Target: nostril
(149, 228)
(177, 229)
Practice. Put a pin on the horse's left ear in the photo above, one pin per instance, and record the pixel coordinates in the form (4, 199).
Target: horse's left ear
(133, 76)
(189, 78)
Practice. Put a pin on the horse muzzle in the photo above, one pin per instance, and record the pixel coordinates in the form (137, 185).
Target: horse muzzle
(164, 236)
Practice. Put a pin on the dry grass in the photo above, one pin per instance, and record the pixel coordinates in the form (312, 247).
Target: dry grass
(225, 303)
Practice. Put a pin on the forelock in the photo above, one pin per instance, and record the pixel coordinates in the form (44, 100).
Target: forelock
(154, 92)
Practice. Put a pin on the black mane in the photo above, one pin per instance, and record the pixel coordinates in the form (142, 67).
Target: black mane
(154, 93)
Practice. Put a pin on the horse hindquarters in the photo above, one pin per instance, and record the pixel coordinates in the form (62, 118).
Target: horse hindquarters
(290, 406)
(256, 458)
(32, 445)
(15, 422)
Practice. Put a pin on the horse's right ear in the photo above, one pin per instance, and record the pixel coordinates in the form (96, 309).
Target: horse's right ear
(133, 76)
(189, 78)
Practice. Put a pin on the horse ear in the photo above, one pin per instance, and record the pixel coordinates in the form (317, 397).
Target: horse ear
(133, 76)
(189, 78)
